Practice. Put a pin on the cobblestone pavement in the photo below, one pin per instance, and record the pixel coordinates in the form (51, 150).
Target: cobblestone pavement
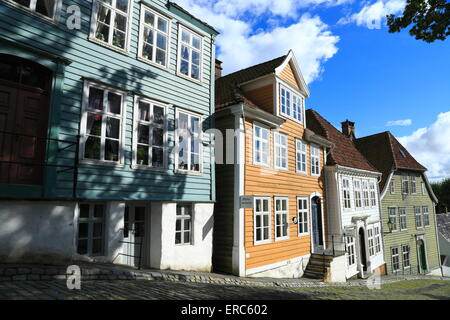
(165, 290)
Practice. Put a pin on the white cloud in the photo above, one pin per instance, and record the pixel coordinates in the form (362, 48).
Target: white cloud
(241, 46)
(401, 123)
(371, 15)
(430, 146)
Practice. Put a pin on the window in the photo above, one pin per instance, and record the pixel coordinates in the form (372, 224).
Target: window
(405, 184)
(149, 143)
(102, 123)
(403, 222)
(346, 193)
(188, 142)
(426, 216)
(424, 191)
(393, 218)
(111, 22)
(262, 220)
(190, 54)
(357, 187)
(91, 234)
(291, 104)
(315, 160)
(366, 200)
(392, 186)
(350, 248)
(373, 194)
(371, 239)
(183, 227)
(261, 145)
(395, 259)
(413, 185)
(281, 150)
(154, 41)
(303, 216)
(406, 260)
(47, 8)
(301, 157)
(281, 219)
(418, 216)
(377, 234)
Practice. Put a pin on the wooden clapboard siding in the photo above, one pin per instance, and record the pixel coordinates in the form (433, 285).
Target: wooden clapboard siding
(124, 71)
(270, 182)
(287, 74)
(263, 97)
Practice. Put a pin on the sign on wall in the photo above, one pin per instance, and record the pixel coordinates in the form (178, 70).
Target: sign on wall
(247, 202)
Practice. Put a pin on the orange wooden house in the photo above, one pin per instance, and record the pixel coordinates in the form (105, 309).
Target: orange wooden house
(269, 215)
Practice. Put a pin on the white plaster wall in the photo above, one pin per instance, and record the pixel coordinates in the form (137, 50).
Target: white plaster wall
(338, 270)
(165, 254)
(288, 269)
(36, 232)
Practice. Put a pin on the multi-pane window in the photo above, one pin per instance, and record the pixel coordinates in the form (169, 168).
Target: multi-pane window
(183, 227)
(111, 22)
(281, 219)
(395, 259)
(403, 222)
(346, 193)
(413, 185)
(149, 149)
(281, 150)
(188, 142)
(406, 258)
(393, 218)
(291, 104)
(405, 184)
(418, 215)
(154, 37)
(424, 191)
(91, 233)
(366, 200)
(371, 239)
(315, 160)
(301, 156)
(303, 220)
(357, 191)
(262, 220)
(102, 124)
(261, 145)
(392, 186)
(373, 194)
(190, 54)
(350, 246)
(377, 235)
(426, 216)
(47, 8)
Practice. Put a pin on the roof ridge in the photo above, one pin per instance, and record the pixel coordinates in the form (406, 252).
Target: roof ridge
(373, 135)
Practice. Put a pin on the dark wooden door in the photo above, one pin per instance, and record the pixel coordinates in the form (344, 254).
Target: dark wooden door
(24, 113)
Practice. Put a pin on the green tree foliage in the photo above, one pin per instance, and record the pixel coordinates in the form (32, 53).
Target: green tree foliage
(430, 19)
(442, 192)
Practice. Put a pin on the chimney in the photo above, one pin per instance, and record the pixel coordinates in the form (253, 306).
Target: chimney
(348, 128)
(218, 69)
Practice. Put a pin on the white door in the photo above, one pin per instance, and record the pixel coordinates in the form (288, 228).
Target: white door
(352, 267)
(133, 235)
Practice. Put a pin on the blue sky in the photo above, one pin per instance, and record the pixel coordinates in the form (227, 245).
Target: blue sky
(355, 69)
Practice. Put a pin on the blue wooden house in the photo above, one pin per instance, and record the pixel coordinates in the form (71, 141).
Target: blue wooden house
(104, 157)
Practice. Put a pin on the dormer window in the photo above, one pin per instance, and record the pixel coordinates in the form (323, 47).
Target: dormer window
(291, 104)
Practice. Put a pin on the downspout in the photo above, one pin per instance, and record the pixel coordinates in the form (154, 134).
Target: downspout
(212, 89)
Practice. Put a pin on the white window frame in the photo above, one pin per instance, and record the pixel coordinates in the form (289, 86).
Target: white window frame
(418, 217)
(95, 8)
(278, 150)
(392, 186)
(346, 194)
(377, 235)
(301, 149)
(350, 244)
(397, 256)
(155, 29)
(357, 190)
(91, 220)
(183, 230)
(294, 96)
(84, 118)
(151, 124)
(373, 194)
(403, 222)
(424, 191)
(189, 77)
(413, 184)
(426, 212)
(200, 139)
(32, 9)
(371, 241)
(262, 214)
(262, 142)
(365, 193)
(405, 184)
(303, 216)
(392, 216)
(408, 253)
(316, 157)
(281, 213)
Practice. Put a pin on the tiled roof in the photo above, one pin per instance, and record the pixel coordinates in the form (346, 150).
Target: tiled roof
(344, 152)
(443, 222)
(385, 153)
(227, 92)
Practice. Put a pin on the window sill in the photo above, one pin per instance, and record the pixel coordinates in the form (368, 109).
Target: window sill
(260, 243)
(302, 173)
(102, 163)
(182, 75)
(281, 169)
(187, 172)
(147, 168)
(261, 165)
(53, 21)
(281, 239)
(152, 63)
(109, 46)
(303, 234)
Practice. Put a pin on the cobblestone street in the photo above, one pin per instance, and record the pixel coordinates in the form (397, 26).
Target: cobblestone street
(166, 290)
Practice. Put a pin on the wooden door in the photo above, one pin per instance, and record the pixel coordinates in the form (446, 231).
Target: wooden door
(134, 235)
(8, 96)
